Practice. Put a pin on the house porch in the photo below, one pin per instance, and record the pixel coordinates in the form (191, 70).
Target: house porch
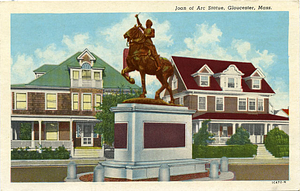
(224, 129)
(48, 132)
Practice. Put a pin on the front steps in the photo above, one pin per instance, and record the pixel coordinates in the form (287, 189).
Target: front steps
(88, 153)
(263, 153)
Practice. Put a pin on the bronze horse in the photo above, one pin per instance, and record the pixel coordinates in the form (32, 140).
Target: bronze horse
(139, 59)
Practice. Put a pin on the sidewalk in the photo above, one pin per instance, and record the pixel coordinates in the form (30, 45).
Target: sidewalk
(94, 161)
(56, 162)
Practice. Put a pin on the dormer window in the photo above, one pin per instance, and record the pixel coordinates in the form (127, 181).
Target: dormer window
(231, 83)
(254, 80)
(256, 83)
(75, 74)
(86, 74)
(204, 81)
(230, 79)
(97, 75)
(202, 76)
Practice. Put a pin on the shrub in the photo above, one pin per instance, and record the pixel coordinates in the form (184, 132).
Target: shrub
(203, 137)
(277, 142)
(47, 153)
(241, 137)
(247, 150)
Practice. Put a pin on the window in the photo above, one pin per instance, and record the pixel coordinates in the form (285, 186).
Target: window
(97, 75)
(51, 101)
(219, 104)
(251, 104)
(78, 130)
(21, 101)
(75, 75)
(86, 74)
(75, 101)
(174, 83)
(256, 84)
(260, 105)
(52, 131)
(242, 104)
(87, 102)
(201, 103)
(181, 101)
(98, 100)
(204, 81)
(230, 82)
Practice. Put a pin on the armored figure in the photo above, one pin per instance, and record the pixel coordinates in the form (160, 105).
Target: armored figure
(150, 33)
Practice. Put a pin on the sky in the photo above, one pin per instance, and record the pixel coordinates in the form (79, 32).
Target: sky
(257, 37)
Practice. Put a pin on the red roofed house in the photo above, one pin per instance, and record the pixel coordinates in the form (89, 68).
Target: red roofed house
(230, 94)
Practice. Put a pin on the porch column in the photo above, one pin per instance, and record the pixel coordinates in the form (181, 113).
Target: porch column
(71, 137)
(198, 126)
(266, 128)
(32, 134)
(271, 126)
(40, 132)
(12, 131)
(234, 128)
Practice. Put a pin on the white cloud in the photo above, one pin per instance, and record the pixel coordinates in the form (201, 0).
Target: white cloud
(51, 55)
(280, 100)
(264, 59)
(22, 68)
(242, 48)
(205, 43)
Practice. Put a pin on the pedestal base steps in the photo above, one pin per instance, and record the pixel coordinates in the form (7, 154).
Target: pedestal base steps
(148, 170)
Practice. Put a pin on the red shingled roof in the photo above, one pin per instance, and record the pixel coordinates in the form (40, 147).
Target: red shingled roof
(188, 66)
(286, 111)
(240, 116)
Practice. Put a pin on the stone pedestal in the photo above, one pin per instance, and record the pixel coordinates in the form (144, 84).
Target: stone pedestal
(147, 136)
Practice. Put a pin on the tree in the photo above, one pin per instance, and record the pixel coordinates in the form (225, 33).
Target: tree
(203, 137)
(241, 137)
(25, 131)
(106, 127)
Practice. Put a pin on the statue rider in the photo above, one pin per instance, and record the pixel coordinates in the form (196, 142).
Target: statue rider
(150, 33)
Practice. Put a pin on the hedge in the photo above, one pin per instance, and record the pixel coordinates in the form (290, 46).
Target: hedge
(247, 150)
(47, 153)
(277, 143)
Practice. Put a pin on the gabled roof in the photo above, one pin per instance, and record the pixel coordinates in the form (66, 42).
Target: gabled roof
(257, 73)
(188, 66)
(203, 70)
(240, 116)
(286, 111)
(59, 76)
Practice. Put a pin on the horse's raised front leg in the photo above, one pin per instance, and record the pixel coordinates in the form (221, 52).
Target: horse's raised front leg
(143, 95)
(127, 77)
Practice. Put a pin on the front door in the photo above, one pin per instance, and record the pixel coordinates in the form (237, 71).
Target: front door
(87, 135)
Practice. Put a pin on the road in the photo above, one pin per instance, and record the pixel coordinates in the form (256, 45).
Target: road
(58, 173)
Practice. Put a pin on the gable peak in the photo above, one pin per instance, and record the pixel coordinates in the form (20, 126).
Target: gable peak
(86, 57)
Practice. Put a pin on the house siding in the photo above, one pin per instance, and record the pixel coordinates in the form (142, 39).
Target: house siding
(64, 131)
(231, 104)
(36, 103)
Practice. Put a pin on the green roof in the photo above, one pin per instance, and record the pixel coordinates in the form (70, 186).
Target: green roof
(45, 68)
(59, 75)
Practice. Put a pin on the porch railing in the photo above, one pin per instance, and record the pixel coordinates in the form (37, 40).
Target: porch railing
(220, 140)
(35, 143)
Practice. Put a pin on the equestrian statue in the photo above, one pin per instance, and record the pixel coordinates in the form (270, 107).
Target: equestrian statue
(143, 57)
